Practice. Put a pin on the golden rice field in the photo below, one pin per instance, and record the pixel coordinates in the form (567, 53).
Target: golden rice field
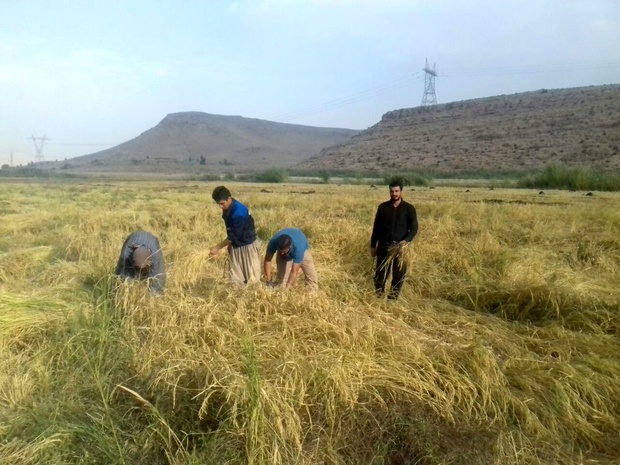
(503, 349)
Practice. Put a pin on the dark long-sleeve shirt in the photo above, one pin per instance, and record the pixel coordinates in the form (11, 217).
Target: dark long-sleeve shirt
(240, 229)
(157, 268)
(394, 224)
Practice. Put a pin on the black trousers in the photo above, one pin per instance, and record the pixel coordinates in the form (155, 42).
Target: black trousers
(398, 269)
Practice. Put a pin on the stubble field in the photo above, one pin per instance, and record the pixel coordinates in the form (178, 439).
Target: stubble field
(503, 349)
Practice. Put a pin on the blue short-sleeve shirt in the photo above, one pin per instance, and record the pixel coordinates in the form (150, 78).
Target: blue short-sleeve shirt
(298, 247)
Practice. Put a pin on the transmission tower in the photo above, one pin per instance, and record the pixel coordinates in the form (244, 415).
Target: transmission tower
(11, 159)
(38, 145)
(429, 97)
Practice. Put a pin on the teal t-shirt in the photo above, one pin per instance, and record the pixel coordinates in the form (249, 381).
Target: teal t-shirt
(298, 247)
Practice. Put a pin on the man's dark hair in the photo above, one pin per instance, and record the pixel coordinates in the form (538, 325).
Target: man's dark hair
(284, 242)
(220, 193)
(396, 182)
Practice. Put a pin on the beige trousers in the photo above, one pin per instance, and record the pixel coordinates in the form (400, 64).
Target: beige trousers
(307, 266)
(244, 264)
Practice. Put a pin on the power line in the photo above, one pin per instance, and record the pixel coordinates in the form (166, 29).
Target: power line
(529, 69)
(83, 145)
(356, 97)
(455, 72)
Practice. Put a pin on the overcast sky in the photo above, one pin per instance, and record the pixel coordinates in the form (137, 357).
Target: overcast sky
(89, 75)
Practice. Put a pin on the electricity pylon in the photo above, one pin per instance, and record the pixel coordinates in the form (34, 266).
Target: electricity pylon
(429, 97)
(38, 145)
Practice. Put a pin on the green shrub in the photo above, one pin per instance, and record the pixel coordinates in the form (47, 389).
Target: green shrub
(409, 179)
(324, 175)
(558, 177)
(31, 172)
(207, 177)
(273, 175)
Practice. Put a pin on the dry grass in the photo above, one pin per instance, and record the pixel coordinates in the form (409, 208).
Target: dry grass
(503, 348)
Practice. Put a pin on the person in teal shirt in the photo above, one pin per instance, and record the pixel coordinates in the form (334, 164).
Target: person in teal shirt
(290, 246)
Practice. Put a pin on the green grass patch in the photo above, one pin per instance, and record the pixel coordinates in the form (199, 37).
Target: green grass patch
(579, 179)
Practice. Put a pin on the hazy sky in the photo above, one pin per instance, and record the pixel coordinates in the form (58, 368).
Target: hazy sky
(93, 74)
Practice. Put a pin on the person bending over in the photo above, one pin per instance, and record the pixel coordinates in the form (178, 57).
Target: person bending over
(141, 258)
(291, 249)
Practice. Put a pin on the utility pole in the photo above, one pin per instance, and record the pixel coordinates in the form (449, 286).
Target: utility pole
(429, 97)
(11, 162)
(38, 145)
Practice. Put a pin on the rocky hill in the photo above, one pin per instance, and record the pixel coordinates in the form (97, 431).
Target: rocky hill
(520, 132)
(191, 142)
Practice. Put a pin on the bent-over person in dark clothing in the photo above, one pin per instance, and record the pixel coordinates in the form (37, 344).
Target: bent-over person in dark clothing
(141, 258)
(396, 224)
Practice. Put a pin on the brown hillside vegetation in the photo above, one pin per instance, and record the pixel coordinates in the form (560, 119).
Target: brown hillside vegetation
(227, 143)
(520, 132)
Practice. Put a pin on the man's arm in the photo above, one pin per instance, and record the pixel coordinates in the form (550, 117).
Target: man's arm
(124, 269)
(120, 264)
(267, 266)
(215, 250)
(293, 275)
(374, 237)
(412, 224)
(157, 273)
(157, 283)
(234, 226)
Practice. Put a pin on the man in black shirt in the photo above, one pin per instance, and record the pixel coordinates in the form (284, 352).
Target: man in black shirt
(395, 225)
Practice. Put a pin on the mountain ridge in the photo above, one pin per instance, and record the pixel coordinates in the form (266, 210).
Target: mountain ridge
(508, 133)
(184, 142)
(520, 132)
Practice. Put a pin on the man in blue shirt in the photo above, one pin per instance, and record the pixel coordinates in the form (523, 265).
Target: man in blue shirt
(244, 257)
(290, 247)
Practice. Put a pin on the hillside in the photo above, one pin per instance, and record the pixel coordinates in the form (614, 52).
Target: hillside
(520, 132)
(227, 143)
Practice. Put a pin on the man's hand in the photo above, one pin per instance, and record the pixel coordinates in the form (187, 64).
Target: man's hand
(214, 251)
(402, 244)
(373, 252)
